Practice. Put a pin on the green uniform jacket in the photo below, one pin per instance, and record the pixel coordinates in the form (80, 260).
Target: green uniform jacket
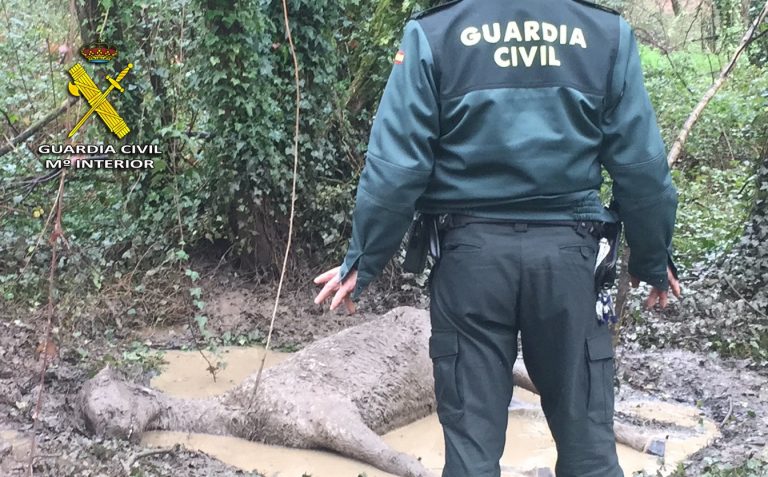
(509, 110)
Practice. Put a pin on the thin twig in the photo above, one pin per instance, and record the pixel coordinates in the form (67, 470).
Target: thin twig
(56, 234)
(50, 71)
(30, 184)
(676, 71)
(622, 296)
(727, 414)
(178, 210)
(150, 453)
(46, 456)
(10, 123)
(648, 38)
(181, 35)
(211, 368)
(693, 22)
(104, 23)
(31, 254)
(759, 35)
(129, 278)
(296, 132)
(749, 304)
(133, 188)
(727, 143)
(221, 260)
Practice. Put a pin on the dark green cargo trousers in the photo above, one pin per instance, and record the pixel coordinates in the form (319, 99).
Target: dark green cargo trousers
(492, 281)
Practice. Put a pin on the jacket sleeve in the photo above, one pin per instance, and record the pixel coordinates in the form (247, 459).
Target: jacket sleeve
(634, 155)
(399, 160)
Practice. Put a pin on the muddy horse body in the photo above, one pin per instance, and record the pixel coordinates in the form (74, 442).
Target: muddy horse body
(339, 393)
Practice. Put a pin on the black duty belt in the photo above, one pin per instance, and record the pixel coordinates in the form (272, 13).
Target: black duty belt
(427, 229)
(450, 221)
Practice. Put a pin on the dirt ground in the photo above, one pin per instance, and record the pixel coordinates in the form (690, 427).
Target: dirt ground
(731, 392)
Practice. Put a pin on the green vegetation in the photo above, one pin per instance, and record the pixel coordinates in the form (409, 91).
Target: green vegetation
(143, 355)
(215, 90)
(716, 176)
(212, 85)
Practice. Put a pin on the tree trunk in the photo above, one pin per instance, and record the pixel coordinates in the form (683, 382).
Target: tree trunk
(340, 393)
(87, 19)
(676, 8)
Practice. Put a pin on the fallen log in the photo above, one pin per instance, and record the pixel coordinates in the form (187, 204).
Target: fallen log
(340, 393)
(12, 143)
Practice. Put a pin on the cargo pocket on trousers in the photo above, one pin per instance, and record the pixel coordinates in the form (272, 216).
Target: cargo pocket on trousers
(444, 351)
(600, 370)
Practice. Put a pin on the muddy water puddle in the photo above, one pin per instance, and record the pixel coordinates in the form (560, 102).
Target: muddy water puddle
(529, 443)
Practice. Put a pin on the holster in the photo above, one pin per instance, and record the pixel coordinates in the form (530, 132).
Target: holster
(422, 239)
(605, 271)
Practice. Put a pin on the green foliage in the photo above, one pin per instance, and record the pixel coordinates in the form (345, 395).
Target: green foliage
(115, 222)
(714, 204)
(143, 355)
(344, 50)
(715, 175)
(730, 127)
(223, 70)
(26, 93)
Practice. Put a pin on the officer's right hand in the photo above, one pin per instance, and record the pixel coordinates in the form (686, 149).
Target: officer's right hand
(659, 296)
(341, 291)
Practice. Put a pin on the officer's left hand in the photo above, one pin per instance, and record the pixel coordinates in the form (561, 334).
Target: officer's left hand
(660, 296)
(343, 290)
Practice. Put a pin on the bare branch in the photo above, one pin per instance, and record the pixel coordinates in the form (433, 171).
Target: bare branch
(37, 126)
(10, 123)
(56, 234)
(749, 304)
(749, 37)
(149, 453)
(296, 132)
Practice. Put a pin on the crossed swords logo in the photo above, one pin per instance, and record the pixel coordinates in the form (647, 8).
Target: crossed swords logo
(84, 86)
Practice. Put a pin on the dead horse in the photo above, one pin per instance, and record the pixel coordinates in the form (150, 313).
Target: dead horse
(340, 393)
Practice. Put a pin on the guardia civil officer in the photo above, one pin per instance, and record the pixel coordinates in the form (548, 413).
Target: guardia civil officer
(502, 113)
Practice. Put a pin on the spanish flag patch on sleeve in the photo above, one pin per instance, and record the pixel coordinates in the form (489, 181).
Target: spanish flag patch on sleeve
(399, 57)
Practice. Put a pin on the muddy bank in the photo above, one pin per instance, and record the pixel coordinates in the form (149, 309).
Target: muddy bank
(725, 390)
(63, 448)
(729, 392)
